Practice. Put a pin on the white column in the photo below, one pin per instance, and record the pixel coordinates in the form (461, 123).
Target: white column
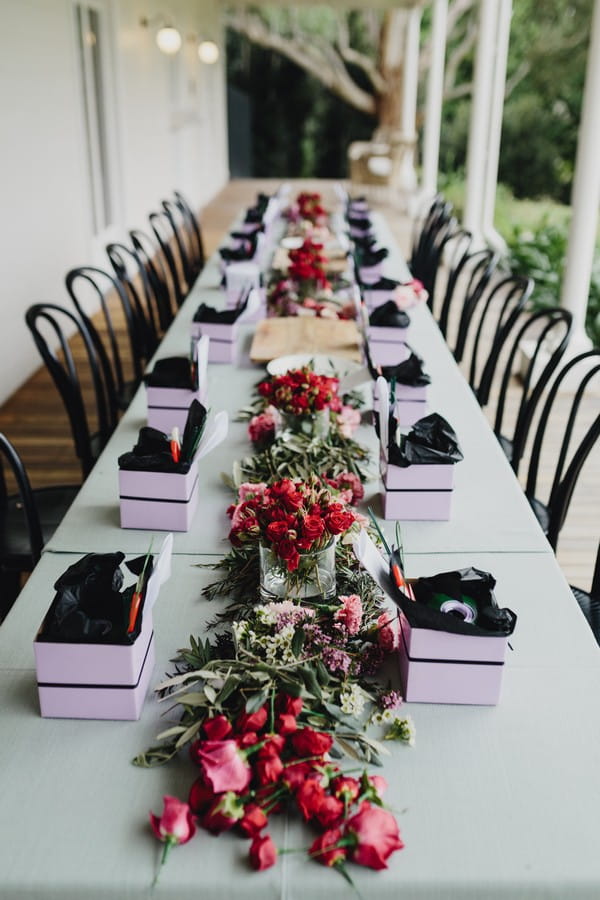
(410, 86)
(435, 96)
(585, 196)
(503, 17)
(480, 117)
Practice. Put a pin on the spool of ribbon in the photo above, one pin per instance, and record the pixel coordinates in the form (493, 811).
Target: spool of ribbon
(465, 608)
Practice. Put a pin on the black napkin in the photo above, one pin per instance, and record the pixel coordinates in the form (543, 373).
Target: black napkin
(470, 583)
(431, 440)
(410, 371)
(382, 284)
(152, 453)
(366, 256)
(246, 250)
(364, 242)
(211, 315)
(362, 222)
(389, 316)
(173, 372)
(89, 606)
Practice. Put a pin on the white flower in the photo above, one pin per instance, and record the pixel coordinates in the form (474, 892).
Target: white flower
(352, 700)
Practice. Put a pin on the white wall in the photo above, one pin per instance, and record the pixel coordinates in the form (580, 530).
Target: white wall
(170, 132)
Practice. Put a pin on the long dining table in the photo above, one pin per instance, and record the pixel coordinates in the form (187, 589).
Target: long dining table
(493, 801)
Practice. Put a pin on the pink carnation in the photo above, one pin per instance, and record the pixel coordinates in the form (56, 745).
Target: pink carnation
(350, 614)
(247, 489)
(262, 427)
(348, 420)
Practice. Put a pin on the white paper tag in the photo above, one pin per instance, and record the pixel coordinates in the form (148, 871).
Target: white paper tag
(161, 571)
(214, 434)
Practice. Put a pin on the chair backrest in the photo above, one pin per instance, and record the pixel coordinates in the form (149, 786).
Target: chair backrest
(131, 273)
(53, 328)
(152, 258)
(577, 377)
(170, 245)
(429, 240)
(497, 309)
(194, 229)
(181, 236)
(545, 334)
(114, 303)
(468, 277)
(34, 528)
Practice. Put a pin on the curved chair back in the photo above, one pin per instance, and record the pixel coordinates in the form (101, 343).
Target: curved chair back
(499, 308)
(181, 236)
(151, 257)
(589, 601)
(128, 270)
(546, 333)
(194, 229)
(52, 327)
(170, 245)
(581, 370)
(429, 242)
(114, 304)
(469, 275)
(34, 528)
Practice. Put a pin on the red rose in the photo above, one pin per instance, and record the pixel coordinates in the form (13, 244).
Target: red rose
(309, 796)
(287, 704)
(308, 742)
(330, 812)
(325, 850)
(267, 769)
(252, 721)
(201, 796)
(376, 836)
(223, 813)
(313, 527)
(253, 821)
(276, 531)
(296, 774)
(338, 521)
(346, 787)
(263, 852)
(286, 550)
(272, 746)
(217, 728)
(247, 739)
(286, 724)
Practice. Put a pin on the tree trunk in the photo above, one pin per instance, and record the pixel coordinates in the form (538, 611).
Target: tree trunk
(391, 66)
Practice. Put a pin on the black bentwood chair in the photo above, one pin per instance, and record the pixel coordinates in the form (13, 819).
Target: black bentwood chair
(131, 272)
(61, 338)
(151, 256)
(589, 601)
(430, 237)
(171, 244)
(198, 256)
(88, 282)
(580, 435)
(28, 520)
(547, 334)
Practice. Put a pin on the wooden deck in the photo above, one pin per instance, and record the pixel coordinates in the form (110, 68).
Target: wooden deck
(34, 418)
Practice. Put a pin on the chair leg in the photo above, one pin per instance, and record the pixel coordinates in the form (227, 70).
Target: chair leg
(10, 587)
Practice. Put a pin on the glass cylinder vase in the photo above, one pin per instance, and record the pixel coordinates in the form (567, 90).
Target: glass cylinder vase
(314, 577)
(311, 425)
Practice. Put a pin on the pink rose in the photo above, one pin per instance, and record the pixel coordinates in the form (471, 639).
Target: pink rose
(224, 765)
(176, 825)
(261, 428)
(376, 836)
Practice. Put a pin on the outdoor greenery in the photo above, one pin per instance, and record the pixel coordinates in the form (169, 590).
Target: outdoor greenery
(302, 127)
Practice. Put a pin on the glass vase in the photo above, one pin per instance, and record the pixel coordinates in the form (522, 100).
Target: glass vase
(314, 577)
(311, 425)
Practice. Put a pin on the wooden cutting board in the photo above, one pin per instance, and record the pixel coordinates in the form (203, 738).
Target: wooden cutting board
(305, 334)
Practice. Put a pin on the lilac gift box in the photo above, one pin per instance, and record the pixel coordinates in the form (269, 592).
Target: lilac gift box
(159, 501)
(420, 492)
(239, 277)
(440, 667)
(223, 340)
(168, 406)
(101, 681)
(387, 345)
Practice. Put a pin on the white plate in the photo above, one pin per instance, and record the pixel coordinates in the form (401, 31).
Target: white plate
(349, 372)
(292, 243)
